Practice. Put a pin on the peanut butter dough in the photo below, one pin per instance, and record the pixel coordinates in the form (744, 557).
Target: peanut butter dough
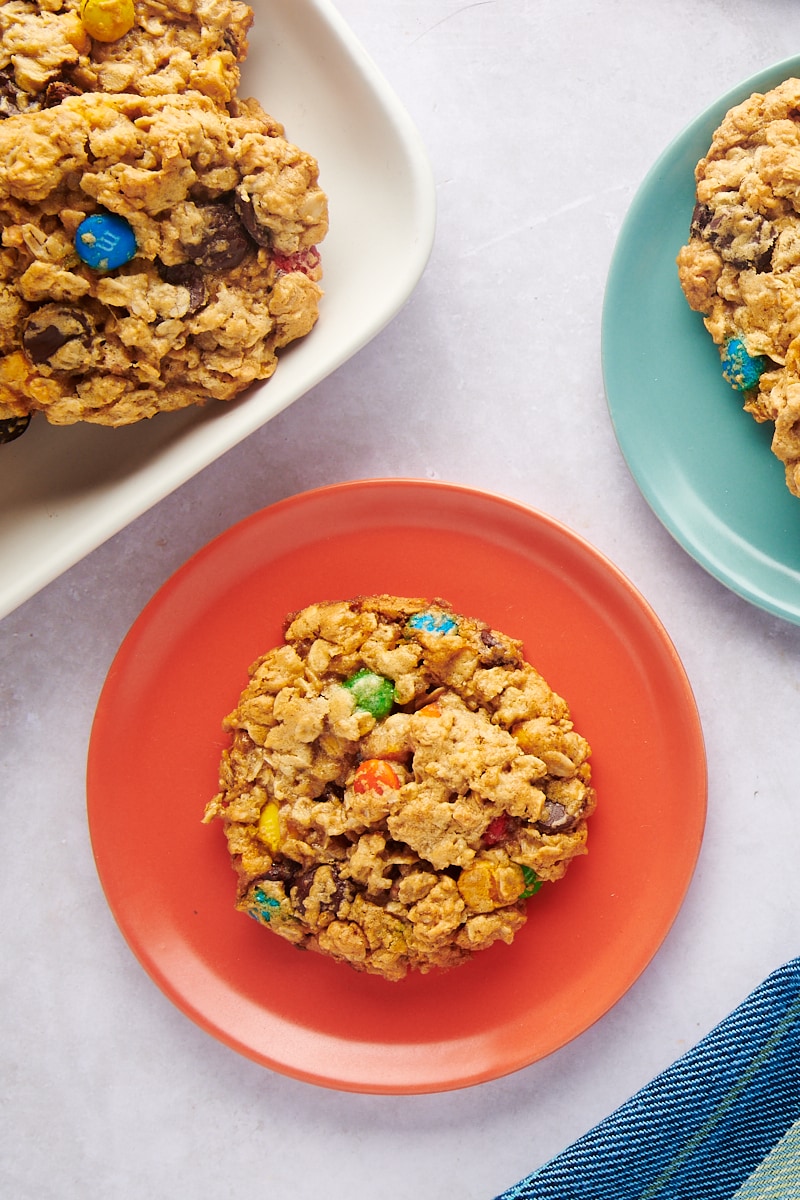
(399, 783)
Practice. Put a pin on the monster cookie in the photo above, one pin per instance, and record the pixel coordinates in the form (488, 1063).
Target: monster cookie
(399, 783)
(53, 48)
(741, 265)
(156, 252)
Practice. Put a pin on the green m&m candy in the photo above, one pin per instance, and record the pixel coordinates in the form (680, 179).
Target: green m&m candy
(372, 693)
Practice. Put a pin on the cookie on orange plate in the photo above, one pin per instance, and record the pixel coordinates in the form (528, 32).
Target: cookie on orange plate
(399, 783)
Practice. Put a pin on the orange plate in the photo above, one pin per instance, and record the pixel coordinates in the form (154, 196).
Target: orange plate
(155, 750)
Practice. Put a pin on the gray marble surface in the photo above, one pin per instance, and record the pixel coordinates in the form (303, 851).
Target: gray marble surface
(541, 120)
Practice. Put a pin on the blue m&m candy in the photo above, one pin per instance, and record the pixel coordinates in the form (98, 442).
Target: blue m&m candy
(264, 907)
(433, 622)
(105, 241)
(740, 369)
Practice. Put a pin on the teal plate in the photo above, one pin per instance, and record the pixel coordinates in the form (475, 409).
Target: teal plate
(702, 464)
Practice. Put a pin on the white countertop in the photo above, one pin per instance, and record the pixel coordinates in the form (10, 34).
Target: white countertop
(541, 120)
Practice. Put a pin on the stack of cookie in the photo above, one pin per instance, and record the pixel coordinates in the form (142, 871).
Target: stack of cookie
(159, 233)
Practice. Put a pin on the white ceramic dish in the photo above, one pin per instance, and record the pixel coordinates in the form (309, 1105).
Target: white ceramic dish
(64, 491)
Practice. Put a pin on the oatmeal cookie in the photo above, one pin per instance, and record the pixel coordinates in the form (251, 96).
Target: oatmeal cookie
(53, 48)
(741, 265)
(156, 252)
(399, 782)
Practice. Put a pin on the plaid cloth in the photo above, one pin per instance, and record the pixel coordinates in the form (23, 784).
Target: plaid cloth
(722, 1123)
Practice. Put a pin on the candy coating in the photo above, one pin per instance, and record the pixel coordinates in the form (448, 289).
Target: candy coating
(371, 692)
(263, 906)
(374, 775)
(740, 369)
(107, 20)
(105, 241)
(433, 622)
(269, 828)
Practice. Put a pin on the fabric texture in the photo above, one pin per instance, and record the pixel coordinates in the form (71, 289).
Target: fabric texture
(779, 1174)
(718, 1124)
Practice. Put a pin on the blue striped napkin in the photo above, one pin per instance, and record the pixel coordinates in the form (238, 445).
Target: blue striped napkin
(722, 1123)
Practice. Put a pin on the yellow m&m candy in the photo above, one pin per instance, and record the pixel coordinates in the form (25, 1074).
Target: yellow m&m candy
(269, 826)
(107, 20)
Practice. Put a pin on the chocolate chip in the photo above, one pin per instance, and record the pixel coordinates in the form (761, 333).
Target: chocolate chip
(339, 894)
(57, 91)
(305, 882)
(244, 207)
(224, 243)
(13, 427)
(332, 792)
(231, 42)
(189, 276)
(9, 93)
(496, 652)
(282, 871)
(57, 335)
(741, 237)
(764, 263)
(555, 819)
(701, 217)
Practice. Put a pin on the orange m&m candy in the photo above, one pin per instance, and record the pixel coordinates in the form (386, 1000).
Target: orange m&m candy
(375, 774)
